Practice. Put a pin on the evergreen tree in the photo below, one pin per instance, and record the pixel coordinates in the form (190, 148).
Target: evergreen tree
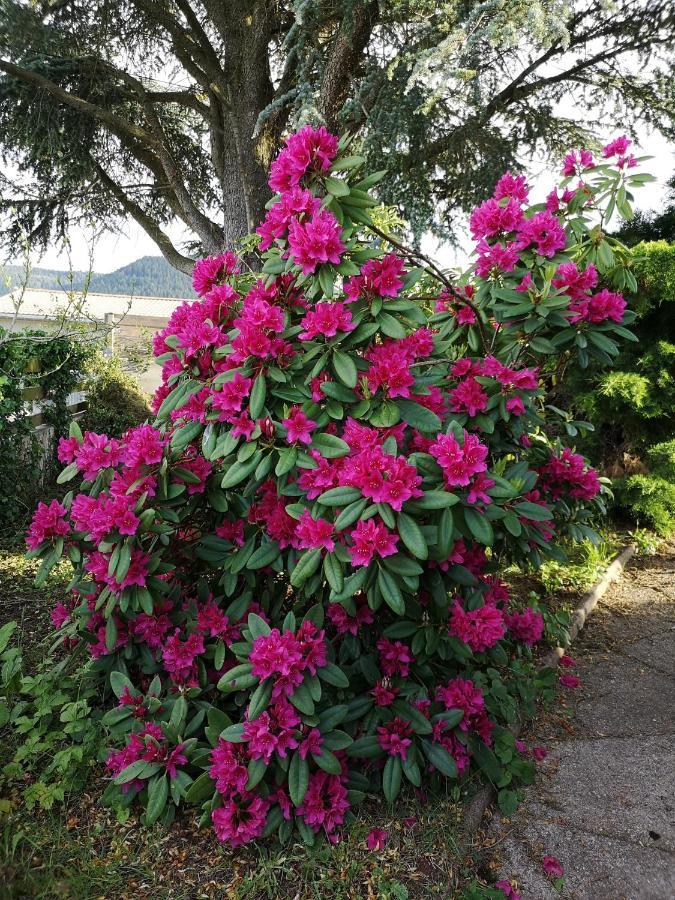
(165, 110)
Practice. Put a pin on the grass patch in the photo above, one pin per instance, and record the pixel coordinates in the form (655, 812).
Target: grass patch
(84, 853)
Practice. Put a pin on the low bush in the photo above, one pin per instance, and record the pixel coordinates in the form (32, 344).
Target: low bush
(52, 366)
(114, 400)
(290, 581)
(649, 500)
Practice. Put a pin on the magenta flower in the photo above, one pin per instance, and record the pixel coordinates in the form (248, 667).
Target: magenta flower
(526, 626)
(307, 150)
(325, 803)
(210, 271)
(395, 657)
(316, 241)
(314, 532)
(479, 628)
(394, 737)
(298, 426)
(569, 681)
(551, 865)
(371, 538)
(513, 186)
(376, 839)
(326, 319)
(240, 820)
(507, 889)
(48, 522)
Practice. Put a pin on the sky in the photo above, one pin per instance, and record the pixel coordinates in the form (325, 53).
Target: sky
(112, 251)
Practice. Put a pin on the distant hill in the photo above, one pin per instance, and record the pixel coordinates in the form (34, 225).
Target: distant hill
(149, 276)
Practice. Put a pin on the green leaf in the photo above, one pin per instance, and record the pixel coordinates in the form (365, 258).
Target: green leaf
(533, 511)
(507, 801)
(233, 734)
(68, 473)
(256, 401)
(412, 536)
(330, 446)
(479, 526)
(305, 567)
(257, 626)
(137, 769)
(346, 162)
(391, 326)
(287, 459)
(345, 368)
(439, 757)
(264, 555)
(418, 416)
(327, 761)
(336, 186)
(201, 789)
(332, 568)
(326, 280)
(339, 496)
(365, 747)
(386, 415)
(435, 500)
(6, 633)
(391, 778)
(485, 758)
(334, 675)
(256, 773)
(302, 700)
(391, 592)
(238, 471)
(183, 435)
(260, 699)
(158, 791)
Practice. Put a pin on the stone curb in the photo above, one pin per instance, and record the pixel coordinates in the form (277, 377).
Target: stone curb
(476, 808)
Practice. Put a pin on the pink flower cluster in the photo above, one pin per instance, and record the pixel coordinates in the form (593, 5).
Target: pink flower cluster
(378, 278)
(459, 461)
(394, 737)
(286, 657)
(326, 319)
(526, 626)
(479, 628)
(371, 538)
(98, 516)
(95, 453)
(307, 150)
(293, 204)
(390, 363)
(273, 731)
(259, 323)
(382, 478)
(567, 473)
(151, 746)
(211, 271)
(344, 623)
(584, 306)
(48, 522)
(315, 241)
(180, 657)
(462, 693)
(502, 231)
(325, 803)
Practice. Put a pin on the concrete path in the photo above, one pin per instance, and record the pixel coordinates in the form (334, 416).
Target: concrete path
(604, 803)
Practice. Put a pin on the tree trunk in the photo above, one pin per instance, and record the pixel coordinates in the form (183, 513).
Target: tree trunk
(245, 30)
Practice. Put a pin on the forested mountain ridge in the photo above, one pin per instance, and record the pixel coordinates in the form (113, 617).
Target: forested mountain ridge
(149, 276)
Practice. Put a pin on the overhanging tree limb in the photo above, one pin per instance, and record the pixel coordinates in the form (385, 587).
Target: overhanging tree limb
(170, 253)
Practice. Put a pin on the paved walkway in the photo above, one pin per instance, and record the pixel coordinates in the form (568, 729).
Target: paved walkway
(604, 803)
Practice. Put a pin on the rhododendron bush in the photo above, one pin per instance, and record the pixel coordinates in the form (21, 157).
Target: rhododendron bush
(290, 579)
